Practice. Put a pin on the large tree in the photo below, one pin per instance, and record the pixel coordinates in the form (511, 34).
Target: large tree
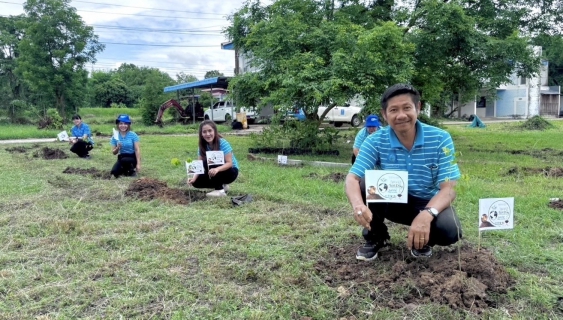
(320, 51)
(11, 84)
(309, 54)
(55, 50)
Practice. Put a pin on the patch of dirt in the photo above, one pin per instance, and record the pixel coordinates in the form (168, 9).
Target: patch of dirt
(93, 172)
(335, 177)
(50, 154)
(556, 204)
(398, 281)
(552, 172)
(544, 154)
(147, 189)
(18, 149)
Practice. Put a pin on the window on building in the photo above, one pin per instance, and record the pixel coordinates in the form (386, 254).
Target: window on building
(482, 103)
(522, 80)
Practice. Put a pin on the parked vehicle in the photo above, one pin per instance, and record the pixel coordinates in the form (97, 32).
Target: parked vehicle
(342, 114)
(186, 114)
(223, 111)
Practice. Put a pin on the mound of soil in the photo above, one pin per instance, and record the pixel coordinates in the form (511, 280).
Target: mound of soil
(556, 204)
(147, 189)
(50, 154)
(553, 172)
(335, 177)
(17, 149)
(93, 172)
(397, 280)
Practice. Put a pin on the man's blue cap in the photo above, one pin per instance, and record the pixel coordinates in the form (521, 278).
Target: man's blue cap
(123, 118)
(372, 121)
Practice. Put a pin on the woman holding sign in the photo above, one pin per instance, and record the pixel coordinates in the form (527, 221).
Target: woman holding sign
(81, 139)
(219, 162)
(125, 143)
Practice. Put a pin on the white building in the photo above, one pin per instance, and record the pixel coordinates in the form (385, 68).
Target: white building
(520, 98)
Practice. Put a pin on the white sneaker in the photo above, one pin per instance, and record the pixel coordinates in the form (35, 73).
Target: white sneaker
(226, 188)
(217, 193)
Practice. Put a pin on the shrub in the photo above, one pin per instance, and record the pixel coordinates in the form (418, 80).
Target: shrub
(52, 120)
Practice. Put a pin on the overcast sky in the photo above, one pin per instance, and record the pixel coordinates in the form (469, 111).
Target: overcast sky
(187, 24)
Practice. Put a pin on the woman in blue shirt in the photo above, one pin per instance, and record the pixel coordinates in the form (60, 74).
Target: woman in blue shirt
(217, 177)
(81, 138)
(127, 149)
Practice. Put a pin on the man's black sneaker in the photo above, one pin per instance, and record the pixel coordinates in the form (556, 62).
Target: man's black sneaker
(368, 252)
(425, 252)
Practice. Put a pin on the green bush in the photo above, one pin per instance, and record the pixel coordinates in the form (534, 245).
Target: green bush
(428, 120)
(297, 134)
(52, 120)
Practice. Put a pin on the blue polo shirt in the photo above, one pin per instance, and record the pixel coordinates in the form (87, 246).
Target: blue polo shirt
(224, 146)
(429, 162)
(127, 142)
(360, 137)
(80, 131)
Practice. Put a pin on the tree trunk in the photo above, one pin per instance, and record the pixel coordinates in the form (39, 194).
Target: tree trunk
(61, 106)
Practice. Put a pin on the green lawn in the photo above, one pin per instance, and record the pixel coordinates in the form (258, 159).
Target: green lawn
(74, 246)
(101, 122)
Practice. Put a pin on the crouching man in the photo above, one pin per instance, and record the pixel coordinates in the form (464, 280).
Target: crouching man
(427, 154)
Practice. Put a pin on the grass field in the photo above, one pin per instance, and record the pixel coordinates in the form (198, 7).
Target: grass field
(76, 246)
(101, 122)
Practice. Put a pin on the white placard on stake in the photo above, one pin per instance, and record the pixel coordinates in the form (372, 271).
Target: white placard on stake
(115, 134)
(282, 160)
(195, 167)
(215, 157)
(387, 186)
(496, 214)
(63, 136)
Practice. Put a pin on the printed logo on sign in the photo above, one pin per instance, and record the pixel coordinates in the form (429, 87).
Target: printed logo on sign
(499, 213)
(391, 186)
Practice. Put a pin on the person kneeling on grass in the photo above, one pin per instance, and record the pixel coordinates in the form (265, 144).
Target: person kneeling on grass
(217, 177)
(127, 149)
(81, 139)
(427, 154)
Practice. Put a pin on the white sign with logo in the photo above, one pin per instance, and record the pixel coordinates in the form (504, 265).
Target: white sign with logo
(195, 167)
(63, 136)
(496, 213)
(116, 135)
(282, 160)
(387, 186)
(215, 157)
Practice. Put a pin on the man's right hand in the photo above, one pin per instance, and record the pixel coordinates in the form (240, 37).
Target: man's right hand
(363, 215)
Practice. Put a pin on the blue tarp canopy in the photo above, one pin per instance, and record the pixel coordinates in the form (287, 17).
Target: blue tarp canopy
(218, 82)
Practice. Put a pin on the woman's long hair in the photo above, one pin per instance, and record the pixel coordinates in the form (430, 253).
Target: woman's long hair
(214, 145)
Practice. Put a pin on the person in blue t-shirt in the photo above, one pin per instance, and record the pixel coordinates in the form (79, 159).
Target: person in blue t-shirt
(81, 138)
(372, 125)
(217, 177)
(127, 149)
(426, 153)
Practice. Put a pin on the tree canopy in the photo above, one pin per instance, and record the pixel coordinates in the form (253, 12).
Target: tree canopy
(55, 50)
(314, 52)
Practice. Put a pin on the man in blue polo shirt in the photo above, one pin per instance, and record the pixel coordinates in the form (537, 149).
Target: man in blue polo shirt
(372, 124)
(427, 154)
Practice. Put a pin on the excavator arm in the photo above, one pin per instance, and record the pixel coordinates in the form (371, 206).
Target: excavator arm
(169, 104)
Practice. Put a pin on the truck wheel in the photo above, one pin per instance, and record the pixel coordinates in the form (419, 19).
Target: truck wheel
(356, 121)
(206, 117)
(338, 124)
(227, 117)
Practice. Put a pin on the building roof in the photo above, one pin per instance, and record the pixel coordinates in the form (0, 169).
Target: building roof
(218, 82)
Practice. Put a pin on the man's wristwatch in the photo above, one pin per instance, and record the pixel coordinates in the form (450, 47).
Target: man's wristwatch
(432, 211)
